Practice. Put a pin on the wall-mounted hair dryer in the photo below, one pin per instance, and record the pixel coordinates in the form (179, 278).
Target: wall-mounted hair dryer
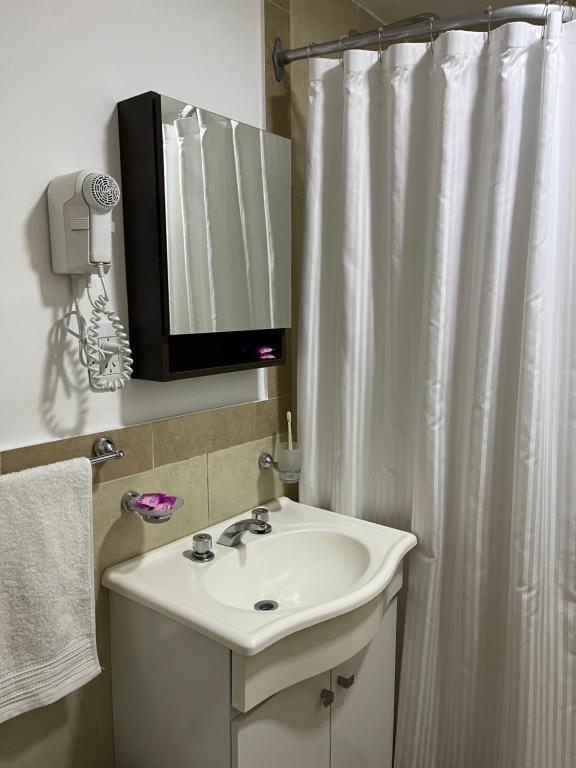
(80, 211)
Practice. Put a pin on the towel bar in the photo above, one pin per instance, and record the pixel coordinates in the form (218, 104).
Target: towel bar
(105, 449)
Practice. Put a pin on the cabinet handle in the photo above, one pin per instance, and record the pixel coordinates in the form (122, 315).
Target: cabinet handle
(326, 696)
(345, 682)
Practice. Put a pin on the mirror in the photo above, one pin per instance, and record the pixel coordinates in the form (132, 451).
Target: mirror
(228, 222)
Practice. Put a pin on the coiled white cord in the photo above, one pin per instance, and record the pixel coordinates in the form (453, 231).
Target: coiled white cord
(104, 322)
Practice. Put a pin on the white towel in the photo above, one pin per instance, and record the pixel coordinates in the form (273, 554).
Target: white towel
(47, 614)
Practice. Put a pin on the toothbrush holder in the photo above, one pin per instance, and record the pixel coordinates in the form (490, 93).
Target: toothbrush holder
(288, 465)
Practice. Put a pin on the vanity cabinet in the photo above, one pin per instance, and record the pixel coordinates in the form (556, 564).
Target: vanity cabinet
(299, 727)
(203, 678)
(184, 700)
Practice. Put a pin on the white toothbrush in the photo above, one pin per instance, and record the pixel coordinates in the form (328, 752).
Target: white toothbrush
(289, 419)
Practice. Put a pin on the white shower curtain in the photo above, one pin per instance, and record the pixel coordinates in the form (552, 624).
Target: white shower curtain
(437, 387)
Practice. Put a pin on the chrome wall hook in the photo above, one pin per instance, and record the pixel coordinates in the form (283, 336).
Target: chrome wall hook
(105, 449)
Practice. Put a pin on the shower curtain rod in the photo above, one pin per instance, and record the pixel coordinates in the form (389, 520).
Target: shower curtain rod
(423, 25)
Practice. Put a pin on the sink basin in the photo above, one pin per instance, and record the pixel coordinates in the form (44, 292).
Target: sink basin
(300, 568)
(313, 566)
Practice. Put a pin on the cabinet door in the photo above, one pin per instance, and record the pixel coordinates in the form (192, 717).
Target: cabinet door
(290, 729)
(363, 708)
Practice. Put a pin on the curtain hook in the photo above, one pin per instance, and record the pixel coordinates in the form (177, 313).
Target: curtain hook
(380, 31)
(340, 41)
(309, 49)
(565, 6)
(431, 22)
(545, 16)
(489, 12)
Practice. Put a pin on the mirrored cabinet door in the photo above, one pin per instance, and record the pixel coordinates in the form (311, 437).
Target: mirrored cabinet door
(207, 220)
(227, 222)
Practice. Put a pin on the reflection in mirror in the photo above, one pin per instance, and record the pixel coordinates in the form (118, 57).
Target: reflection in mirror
(228, 222)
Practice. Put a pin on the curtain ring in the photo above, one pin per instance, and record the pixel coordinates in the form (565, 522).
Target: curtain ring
(380, 30)
(489, 12)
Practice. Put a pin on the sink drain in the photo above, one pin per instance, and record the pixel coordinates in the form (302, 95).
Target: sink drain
(266, 605)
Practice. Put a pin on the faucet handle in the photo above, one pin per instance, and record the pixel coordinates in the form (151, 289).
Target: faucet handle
(261, 513)
(201, 543)
(201, 548)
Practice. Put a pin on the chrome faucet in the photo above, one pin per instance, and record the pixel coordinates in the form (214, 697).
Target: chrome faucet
(258, 523)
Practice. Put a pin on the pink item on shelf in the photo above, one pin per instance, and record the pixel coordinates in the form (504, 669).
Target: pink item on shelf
(265, 353)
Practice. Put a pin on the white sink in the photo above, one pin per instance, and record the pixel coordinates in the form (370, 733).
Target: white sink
(297, 569)
(315, 564)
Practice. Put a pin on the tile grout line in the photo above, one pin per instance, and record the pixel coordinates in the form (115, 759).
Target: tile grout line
(208, 488)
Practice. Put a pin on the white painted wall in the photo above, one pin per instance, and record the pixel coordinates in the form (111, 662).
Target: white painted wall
(63, 66)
